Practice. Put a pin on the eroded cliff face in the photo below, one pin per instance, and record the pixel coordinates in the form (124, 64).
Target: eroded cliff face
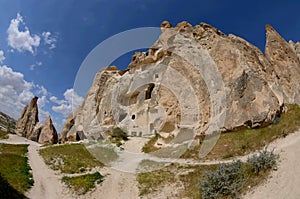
(191, 78)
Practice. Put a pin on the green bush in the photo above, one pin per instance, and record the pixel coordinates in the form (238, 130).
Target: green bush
(263, 161)
(227, 180)
(119, 133)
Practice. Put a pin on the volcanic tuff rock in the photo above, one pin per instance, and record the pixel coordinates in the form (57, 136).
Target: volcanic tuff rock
(29, 126)
(48, 133)
(192, 77)
(28, 120)
(7, 123)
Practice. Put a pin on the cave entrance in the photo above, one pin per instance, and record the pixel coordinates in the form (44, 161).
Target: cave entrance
(149, 90)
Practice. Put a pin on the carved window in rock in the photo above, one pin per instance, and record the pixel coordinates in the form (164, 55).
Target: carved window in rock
(149, 90)
(133, 117)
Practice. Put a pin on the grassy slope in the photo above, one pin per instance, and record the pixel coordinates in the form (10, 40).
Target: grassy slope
(15, 178)
(229, 145)
(73, 158)
(3, 135)
(245, 141)
(69, 158)
(84, 183)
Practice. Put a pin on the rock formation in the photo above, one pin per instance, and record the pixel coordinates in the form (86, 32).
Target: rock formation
(28, 120)
(48, 133)
(191, 78)
(29, 126)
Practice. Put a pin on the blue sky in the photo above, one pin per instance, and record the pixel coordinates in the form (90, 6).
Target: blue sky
(43, 43)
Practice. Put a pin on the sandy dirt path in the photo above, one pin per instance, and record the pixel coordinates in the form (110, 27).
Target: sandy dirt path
(46, 183)
(285, 182)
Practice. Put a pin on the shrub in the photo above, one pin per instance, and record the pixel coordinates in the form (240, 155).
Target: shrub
(119, 133)
(263, 161)
(227, 180)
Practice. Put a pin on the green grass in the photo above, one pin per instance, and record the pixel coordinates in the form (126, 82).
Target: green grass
(245, 141)
(15, 176)
(3, 135)
(149, 146)
(84, 183)
(69, 158)
(190, 176)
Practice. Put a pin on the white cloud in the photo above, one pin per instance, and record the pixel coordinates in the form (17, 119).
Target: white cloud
(71, 101)
(57, 101)
(32, 67)
(21, 40)
(42, 101)
(16, 93)
(43, 115)
(2, 57)
(49, 40)
(41, 90)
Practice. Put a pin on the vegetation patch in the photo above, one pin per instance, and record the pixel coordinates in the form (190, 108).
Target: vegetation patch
(245, 141)
(151, 181)
(69, 158)
(117, 136)
(15, 175)
(227, 180)
(230, 180)
(3, 135)
(84, 183)
(149, 146)
(211, 181)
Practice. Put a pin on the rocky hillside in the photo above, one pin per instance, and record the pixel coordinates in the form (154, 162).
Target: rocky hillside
(7, 123)
(193, 79)
(28, 125)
